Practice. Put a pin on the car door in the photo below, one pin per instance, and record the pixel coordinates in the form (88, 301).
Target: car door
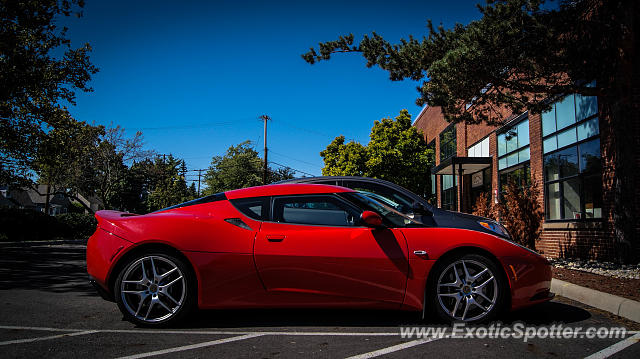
(315, 247)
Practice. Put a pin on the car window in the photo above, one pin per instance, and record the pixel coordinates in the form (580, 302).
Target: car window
(314, 210)
(393, 216)
(395, 199)
(252, 207)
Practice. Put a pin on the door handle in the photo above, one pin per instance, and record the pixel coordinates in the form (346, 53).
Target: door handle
(275, 238)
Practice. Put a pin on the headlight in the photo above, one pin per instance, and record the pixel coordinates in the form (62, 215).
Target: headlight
(495, 227)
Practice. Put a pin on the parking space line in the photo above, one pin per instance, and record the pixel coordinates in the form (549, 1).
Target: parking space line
(37, 339)
(392, 349)
(609, 351)
(190, 347)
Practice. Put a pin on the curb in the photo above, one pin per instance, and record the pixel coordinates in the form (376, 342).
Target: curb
(622, 307)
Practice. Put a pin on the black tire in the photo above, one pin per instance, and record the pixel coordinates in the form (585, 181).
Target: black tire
(482, 304)
(157, 295)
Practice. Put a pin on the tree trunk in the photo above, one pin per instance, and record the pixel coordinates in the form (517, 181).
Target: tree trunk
(46, 199)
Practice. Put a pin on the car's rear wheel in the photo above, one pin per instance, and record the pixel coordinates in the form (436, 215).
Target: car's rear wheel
(155, 289)
(468, 288)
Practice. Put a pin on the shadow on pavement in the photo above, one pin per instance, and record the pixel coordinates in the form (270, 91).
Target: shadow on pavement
(543, 314)
(56, 269)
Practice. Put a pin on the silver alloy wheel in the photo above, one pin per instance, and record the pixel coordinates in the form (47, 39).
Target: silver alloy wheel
(467, 290)
(153, 289)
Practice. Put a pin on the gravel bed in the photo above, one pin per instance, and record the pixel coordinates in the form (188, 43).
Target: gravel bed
(609, 269)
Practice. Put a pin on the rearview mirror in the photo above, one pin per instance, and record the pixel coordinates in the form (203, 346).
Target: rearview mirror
(371, 219)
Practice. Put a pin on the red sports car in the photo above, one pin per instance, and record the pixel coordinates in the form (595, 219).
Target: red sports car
(307, 245)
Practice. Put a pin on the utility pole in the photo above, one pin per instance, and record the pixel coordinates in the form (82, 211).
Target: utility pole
(199, 173)
(264, 119)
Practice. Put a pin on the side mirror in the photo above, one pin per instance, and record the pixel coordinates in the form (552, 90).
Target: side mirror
(419, 208)
(371, 219)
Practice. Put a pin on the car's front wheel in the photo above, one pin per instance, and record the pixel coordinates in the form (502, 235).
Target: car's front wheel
(155, 289)
(468, 288)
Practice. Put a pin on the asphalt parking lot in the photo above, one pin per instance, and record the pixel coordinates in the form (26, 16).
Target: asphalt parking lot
(47, 308)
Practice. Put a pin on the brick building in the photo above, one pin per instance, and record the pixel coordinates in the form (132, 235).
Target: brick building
(562, 151)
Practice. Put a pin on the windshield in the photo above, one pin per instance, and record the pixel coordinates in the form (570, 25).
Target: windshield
(398, 219)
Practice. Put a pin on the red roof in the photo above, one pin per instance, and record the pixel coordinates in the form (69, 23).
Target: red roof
(285, 189)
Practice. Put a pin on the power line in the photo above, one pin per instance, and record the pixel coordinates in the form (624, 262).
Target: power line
(199, 125)
(297, 170)
(295, 159)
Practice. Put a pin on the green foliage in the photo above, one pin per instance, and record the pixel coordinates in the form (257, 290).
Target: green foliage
(396, 152)
(166, 184)
(29, 225)
(77, 225)
(39, 73)
(240, 167)
(65, 157)
(342, 159)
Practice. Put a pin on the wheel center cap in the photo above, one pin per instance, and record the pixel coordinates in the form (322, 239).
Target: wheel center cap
(153, 288)
(466, 289)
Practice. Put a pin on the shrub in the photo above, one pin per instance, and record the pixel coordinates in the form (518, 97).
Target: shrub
(519, 211)
(77, 225)
(29, 225)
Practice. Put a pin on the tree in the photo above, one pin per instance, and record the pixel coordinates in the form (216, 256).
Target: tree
(168, 185)
(240, 167)
(36, 81)
(396, 152)
(518, 56)
(111, 159)
(64, 159)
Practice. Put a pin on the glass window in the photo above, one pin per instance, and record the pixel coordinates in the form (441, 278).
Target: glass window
(512, 159)
(524, 155)
(480, 149)
(566, 137)
(549, 121)
(550, 144)
(573, 174)
(590, 156)
(502, 144)
(568, 162)
(553, 201)
(571, 196)
(252, 207)
(586, 106)
(512, 140)
(588, 129)
(593, 196)
(523, 133)
(313, 210)
(521, 175)
(565, 112)
(502, 163)
(395, 199)
(448, 144)
(513, 145)
(447, 181)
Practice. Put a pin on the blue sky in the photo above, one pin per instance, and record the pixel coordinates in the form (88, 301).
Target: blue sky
(194, 76)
